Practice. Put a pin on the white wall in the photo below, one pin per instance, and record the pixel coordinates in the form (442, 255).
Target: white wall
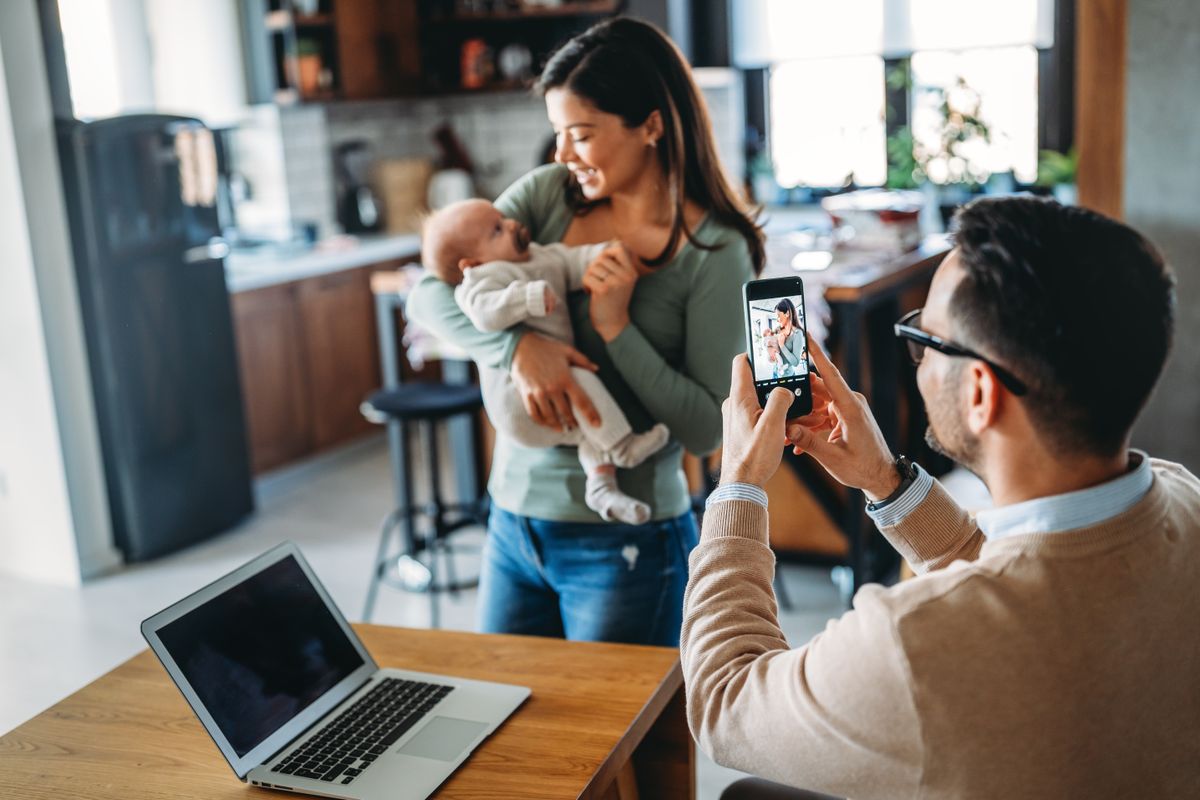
(196, 59)
(1162, 200)
(171, 56)
(54, 517)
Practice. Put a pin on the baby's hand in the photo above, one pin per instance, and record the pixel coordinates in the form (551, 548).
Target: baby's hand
(551, 300)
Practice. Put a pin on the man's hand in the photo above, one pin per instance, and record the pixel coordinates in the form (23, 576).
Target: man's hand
(754, 438)
(854, 452)
(551, 301)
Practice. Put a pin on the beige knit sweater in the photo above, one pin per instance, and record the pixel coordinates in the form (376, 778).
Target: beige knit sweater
(1061, 665)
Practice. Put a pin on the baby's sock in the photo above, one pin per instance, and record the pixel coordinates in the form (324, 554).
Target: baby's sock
(637, 447)
(610, 502)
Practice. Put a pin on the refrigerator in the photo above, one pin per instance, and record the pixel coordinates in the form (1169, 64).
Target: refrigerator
(141, 194)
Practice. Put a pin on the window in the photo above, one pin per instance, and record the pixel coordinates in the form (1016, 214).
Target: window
(996, 86)
(827, 124)
(971, 105)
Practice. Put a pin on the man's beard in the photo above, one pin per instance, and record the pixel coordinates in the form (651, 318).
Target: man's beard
(955, 442)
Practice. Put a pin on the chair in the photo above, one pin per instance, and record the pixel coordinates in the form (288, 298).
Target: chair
(413, 565)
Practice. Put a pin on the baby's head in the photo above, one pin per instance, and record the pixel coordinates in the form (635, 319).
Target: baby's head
(469, 233)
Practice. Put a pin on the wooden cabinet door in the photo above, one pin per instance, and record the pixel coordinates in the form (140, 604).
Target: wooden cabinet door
(273, 375)
(378, 47)
(342, 352)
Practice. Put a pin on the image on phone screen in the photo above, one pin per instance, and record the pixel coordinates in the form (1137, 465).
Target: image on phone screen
(776, 340)
(777, 331)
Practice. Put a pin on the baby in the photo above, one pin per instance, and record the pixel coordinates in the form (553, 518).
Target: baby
(502, 280)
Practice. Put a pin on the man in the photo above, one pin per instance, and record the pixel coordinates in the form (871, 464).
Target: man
(1049, 647)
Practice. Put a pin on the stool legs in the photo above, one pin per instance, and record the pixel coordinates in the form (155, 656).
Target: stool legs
(414, 574)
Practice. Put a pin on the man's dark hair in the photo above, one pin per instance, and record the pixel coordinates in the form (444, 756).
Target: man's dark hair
(1079, 306)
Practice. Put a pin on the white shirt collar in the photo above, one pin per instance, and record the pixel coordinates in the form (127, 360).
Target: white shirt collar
(1073, 510)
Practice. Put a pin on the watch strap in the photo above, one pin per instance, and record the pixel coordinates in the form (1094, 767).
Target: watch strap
(908, 475)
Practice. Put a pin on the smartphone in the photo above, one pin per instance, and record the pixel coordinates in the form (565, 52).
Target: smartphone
(776, 340)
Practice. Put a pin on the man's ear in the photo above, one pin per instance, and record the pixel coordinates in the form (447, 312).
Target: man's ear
(984, 397)
(653, 127)
(466, 263)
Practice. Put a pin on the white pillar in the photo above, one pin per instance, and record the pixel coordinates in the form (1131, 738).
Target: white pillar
(54, 516)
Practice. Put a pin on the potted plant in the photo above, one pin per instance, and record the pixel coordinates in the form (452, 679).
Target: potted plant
(1057, 172)
(307, 72)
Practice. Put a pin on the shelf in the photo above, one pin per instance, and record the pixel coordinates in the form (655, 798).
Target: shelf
(495, 87)
(314, 21)
(592, 8)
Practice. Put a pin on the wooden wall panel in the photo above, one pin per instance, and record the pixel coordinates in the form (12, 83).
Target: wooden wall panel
(1100, 63)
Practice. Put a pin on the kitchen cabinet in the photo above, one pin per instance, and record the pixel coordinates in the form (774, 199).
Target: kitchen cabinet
(341, 350)
(328, 50)
(321, 50)
(308, 356)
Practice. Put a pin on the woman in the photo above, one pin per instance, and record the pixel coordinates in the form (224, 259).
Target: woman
(636, 162)
(787, 344)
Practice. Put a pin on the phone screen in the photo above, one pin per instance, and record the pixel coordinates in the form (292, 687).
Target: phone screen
(776, 339)
(780, 347)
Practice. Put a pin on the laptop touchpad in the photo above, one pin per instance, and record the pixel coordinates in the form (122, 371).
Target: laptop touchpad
(443, 738)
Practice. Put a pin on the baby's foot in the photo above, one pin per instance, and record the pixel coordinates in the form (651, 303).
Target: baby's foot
(612, 504)
(620, 507)
(637, 447)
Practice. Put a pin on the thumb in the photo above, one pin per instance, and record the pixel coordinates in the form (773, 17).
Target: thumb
(774, 415)
(803, 438)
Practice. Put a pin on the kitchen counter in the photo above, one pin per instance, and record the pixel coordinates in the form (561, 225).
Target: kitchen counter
(275, 264)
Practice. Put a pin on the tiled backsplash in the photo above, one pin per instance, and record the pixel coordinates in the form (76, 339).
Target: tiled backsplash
(309, 167)
(503, 133)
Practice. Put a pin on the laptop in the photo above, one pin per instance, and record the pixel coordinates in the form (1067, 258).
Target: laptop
(294, 701)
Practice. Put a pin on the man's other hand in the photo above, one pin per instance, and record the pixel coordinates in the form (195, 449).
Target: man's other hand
(854, 452)
(754, 437)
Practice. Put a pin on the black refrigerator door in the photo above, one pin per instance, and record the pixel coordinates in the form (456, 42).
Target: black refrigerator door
(142, 192)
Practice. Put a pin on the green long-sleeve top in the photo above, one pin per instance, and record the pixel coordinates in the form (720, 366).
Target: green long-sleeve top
(793, 348)
(670, 364)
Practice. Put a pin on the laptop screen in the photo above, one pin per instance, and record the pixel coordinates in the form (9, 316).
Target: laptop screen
(261, 652)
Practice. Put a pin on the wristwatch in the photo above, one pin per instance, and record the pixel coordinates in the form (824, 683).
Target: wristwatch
(907, 471)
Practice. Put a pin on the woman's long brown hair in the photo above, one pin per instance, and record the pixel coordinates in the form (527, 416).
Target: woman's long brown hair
(630, 68)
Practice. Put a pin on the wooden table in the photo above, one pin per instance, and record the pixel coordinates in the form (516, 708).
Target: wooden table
(130, 734)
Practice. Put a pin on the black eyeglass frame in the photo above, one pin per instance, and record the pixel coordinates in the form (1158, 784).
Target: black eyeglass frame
(904, 330)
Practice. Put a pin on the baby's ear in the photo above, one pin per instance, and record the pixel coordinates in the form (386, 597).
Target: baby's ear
(466, 263)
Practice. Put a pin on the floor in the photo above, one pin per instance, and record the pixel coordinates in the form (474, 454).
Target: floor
(54, 640)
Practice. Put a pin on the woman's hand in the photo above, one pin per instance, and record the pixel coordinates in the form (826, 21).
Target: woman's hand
(610, 280)
(541, 371)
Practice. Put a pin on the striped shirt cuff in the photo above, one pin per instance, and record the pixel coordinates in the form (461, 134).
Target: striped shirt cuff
(737, 491)
(895, 512)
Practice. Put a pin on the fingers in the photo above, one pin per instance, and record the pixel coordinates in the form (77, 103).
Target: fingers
(834, 382)
(582, 404)
(774, 416)
(620, 253)
(612, 266)
(561, 405)
(741, 382)
(538, 411)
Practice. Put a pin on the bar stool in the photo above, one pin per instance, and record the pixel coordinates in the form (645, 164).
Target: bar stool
(413, 566)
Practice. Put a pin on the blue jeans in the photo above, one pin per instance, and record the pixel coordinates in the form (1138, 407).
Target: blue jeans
(594, 582)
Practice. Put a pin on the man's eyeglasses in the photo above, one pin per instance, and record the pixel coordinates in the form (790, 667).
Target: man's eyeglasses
(917, 340)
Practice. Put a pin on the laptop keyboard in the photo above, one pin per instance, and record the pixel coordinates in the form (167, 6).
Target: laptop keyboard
(363, 732)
